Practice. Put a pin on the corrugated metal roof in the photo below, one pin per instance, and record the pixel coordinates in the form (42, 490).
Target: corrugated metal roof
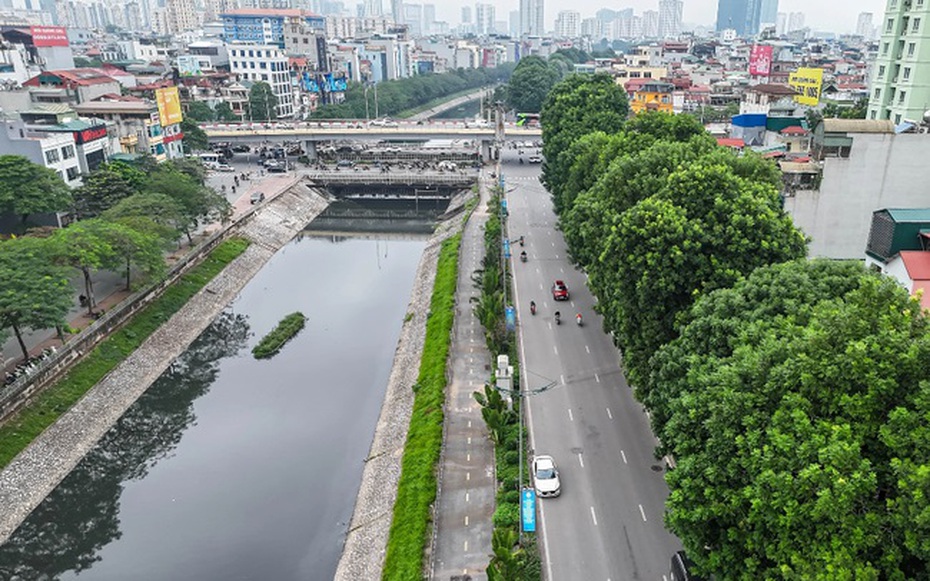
(917, 263)
(857, 126)
(909, 214)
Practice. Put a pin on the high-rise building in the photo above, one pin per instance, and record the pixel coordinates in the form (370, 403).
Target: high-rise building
(484, 18)
(532, 17)
(373, 8)
(769, 12)
(781, 24)
(795, 21)
(397, 11)
(669, 18)
(413, 18)
(567, 24)
(181, 16)
(743, 16)
(429, 17)
(864, 25)
(651, 24)
(592, 28)
(466, 14)
(900, 76)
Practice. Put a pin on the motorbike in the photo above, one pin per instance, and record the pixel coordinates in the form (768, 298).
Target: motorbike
(558, 318)
(521, 240)
(523, 256)
(532, 308)
(578, 319)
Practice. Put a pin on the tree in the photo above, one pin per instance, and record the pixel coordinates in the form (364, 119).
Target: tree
(34, 292)
(28, 188)
(164, 214)
(195, 139)
(263, 103)
(190, 166)
(201, 112)
(103, 188)
(531, 81)
(136, 241)
(224, 112)
(196, 202)
(577, 105)
(87, 247)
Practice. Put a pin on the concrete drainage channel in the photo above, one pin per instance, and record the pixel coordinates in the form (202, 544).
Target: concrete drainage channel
(36, 471)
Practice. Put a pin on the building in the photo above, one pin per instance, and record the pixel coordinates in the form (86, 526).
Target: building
(653, 96)
(466, 14)
(781, 24)
(373, 8)
(135, 126)
(651, 24)
(182, 16)
(568, 24)
(484, 18)
(864, 26)
(54, 150)
(670, 18)
(266, 26)
(532, 18)
(265, 63)
(795, 21)
(769, 12)
(743, 16)
(900, 75)
(413, 18)
(73, 86)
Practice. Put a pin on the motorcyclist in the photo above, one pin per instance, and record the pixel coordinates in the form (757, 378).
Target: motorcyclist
(532, 307)
(578, 319)
(523, 256)
(521, 240)
(558, 317)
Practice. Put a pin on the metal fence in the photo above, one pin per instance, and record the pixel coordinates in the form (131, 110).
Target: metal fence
(349, 177)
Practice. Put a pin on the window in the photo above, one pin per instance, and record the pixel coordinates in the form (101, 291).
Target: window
(67, 152)
(877, 95)
(901, 97)
(907, 73)
(889, 26)
(881, 71)
(73, 173)
(251, 64)
(911, 47)
(884, 49)
(916, 25)
(263, 65)
(51, 156)
(264, 77)
(872, 115)
(897, 119)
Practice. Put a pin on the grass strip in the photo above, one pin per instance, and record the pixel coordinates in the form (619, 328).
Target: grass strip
(416, 490)
(32, 420)
(286, 330)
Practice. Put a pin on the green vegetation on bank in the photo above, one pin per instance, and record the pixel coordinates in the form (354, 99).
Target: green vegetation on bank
(411, 92)
(286, 330)
(24, 427)
(416, 490)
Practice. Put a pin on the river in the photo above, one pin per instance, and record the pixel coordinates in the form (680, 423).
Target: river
(234, 468)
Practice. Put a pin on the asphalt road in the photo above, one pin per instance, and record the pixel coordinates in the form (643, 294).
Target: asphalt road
(608, 522)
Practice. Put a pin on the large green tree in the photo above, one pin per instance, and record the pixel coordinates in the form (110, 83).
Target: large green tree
(104, 188)
(87, 247)
(198, 203)
(576, 106)
(533, 78)
(28, 188)
(200, 111)
(34, 292)
(263, 103)
(797, 406)
(224, 112)
(195, 138)
(164, 214)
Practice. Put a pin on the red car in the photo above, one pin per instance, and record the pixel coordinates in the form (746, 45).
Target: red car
(559, 291)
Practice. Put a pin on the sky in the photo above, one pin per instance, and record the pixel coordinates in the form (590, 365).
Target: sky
(830, 15)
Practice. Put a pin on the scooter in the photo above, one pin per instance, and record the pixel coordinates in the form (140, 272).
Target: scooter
(523, 256)
(558, 318)
(578, 319)
(532, 307)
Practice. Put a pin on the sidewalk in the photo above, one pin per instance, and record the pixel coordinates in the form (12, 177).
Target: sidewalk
(465, 502)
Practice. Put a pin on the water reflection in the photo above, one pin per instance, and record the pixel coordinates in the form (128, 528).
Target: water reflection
(67, 531)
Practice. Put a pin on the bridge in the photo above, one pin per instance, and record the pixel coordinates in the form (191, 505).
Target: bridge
(410, 186)
(312, 133)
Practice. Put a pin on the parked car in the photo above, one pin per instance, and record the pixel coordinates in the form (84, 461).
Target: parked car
(224, 167)
(546, 477)
(559, 291)
(276, 167)
(345, 163)
(241, 148)
(386, 122)
(256, 198)
(681, 568)
(535, 159)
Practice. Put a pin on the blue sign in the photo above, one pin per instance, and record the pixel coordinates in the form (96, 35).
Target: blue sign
(502, 186)
(309, 83)
(506, 248)
(528, 510)
(510, 315)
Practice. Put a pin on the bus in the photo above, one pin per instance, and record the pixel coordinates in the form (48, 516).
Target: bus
(527, 119)
(210, 160)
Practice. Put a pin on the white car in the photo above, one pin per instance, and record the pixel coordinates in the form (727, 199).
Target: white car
(546, 477)
(224, 167)
(383, 123)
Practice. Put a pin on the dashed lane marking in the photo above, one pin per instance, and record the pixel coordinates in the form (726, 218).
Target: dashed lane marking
(593, 516)
(623, 455)
(642, 512)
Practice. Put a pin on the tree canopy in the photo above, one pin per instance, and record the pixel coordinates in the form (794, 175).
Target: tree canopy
(263, 103)
(29, 188)
(531, 81)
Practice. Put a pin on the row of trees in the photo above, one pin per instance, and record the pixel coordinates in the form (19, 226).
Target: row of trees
(792, 393)
(404, 94)
(535, 76)
(128, 216)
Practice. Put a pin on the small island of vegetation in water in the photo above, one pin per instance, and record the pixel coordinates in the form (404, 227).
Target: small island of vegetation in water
(284, 332)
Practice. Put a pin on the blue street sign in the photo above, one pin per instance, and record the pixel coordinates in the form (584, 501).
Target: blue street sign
(504, 206)
(510, 315)
(502, 181)
(528, 508)
(506, 248)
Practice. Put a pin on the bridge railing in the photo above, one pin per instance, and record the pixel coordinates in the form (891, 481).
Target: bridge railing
(391, 178)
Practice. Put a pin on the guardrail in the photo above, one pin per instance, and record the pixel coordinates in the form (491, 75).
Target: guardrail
(391, 178)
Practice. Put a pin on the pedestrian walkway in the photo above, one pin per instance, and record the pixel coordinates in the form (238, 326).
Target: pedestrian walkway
(465, 502)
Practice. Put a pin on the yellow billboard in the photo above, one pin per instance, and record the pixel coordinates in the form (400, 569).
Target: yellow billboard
(807, 82)
(169, 106)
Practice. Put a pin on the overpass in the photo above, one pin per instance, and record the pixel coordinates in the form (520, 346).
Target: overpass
(393, 186)
(312, 133)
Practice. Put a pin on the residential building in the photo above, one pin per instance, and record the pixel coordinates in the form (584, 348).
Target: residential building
(670, 18)
(590, 27)
(74, 86)
(765, 97)
(135, 126)
(56, 151)
(373, 8)
(781, 24)
(484, 18)
(413, 18)
(532, 17)
(397, 11)
(900, 75)
(769, 13)
(513, 23)
(864, 26)
(429, 18)
(653, 96)
(795, 21)
(743, 16)
(266, 26)
(182, 16)
(651, 24)
(268, 64)
(466, 14)
(568, 24)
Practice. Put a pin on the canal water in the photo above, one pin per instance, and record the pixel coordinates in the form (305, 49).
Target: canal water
(467, 110)
(234, 468)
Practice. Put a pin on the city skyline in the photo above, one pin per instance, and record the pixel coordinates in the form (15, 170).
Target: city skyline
(838, 16)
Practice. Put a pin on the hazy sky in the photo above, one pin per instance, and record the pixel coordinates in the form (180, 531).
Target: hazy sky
(833, 15)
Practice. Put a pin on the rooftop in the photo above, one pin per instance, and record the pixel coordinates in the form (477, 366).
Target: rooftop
(857, 126)
(917, 263)
(773, 89)
(283, 12)
(901, 215)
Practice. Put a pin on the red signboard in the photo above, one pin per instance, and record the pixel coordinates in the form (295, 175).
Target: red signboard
(49, 35)
(760, 60)
(90, 134)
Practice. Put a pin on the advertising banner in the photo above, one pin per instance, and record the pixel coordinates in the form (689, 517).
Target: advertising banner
(189, 66)
(760, 60)
(309, 84)
(808, 83)
(528, 510)
(49, 35)
(169, 106)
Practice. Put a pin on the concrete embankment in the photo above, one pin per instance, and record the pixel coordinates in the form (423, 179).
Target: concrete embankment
(35, 472)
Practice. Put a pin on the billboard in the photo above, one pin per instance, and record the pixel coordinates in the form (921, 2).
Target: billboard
(169, 106)
(49, 35)
(308, 83)
(528, 510)
(189, 66)
(760, 60)
(807, 82)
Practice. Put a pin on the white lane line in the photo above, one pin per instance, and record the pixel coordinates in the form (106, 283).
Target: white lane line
(469, 423)
(466, 497)
(550, 325)
(623, 455)
(596, 378)
(581, 460)
(642, 512)
(466, 518)
(609, 415)
(593, 516)
(562, 379)
(540, 286)
(556, 349)
(466, 546)
(553, 244)
(562, 270)
(570, 416)
(468, 476)
(468, 457)
(469, 440)
(588, 349)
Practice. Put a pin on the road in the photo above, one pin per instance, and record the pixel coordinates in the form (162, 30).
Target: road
(608, 522)
(451, 104)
